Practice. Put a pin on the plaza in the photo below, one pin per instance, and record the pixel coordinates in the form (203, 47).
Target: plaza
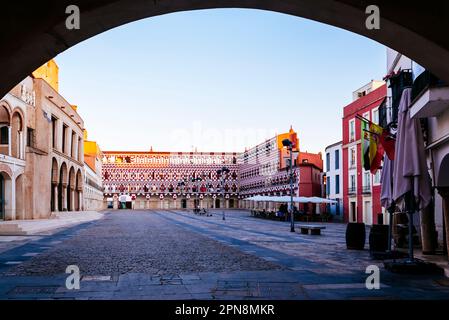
(175, 254)
(272, 150)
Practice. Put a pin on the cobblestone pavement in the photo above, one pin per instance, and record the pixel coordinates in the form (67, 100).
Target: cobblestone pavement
(139, 242)
(179, 255)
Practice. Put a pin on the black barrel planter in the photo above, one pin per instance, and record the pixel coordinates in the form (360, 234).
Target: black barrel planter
(378, 238)
(355, 236)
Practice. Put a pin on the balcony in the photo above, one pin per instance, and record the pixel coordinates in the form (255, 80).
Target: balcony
(430, 103)
(352, 190)
(430, 96)
(366, 189)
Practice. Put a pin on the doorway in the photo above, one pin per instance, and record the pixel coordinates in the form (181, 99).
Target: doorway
(217, 203)
(367, 213)
(352, 212)
(183, 203)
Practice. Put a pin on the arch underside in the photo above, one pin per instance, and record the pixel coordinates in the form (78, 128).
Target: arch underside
(38, 32)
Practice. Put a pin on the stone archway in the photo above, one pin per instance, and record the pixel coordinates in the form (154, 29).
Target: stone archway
(54, 200)
(443, 190)
(6, 195)
(17, 135)
(62, 187)
(5, 129)
(33, 39)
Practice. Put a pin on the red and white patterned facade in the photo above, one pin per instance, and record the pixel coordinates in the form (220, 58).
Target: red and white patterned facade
(164, 179)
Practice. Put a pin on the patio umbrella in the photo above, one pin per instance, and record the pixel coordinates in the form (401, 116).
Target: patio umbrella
(411, 184)
(386, 194)
(386, 180)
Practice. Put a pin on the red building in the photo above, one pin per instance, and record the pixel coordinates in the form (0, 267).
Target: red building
(310, 181)
(361, 189)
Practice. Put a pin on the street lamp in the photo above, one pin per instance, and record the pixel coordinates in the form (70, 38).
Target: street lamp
(222, 172)
(289, 145)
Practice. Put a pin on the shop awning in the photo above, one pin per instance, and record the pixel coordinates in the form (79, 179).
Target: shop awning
(287, 199)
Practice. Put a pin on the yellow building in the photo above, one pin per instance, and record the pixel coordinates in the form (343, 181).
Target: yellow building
(50, 73)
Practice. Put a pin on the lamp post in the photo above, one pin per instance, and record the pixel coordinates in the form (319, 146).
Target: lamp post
(222, 172)
(289, 145)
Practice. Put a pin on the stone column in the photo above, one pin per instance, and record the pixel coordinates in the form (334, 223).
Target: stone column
(80, 200)
(9, 141)
(444, 192)
(56, 197)
(64, 196)
(72, 199)
(10, 199)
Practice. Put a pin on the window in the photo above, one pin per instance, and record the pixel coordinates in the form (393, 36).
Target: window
(80, 149)
(377, 177)
(375, 116)
(352, 130)
(31, 137)
(328, 161)
(361, 94)
(366, 180)
(64, 138)
(352, 185)
(328, 185)
(337, 159)
(366, 116)
(337, 184)
(4, 135)
(73, 151)
(53, 131)
(352, 157)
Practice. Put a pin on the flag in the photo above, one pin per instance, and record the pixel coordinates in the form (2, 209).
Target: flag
(366, 163)
(388, 143)
(376, 150)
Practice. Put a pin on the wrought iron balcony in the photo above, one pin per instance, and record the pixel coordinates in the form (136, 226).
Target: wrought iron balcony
(352, 190)
(366, 189)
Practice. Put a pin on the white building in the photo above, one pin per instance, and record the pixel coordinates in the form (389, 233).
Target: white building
(93, 181)
(13, 122)
(430, 102)
(334, 179)
(93, 190)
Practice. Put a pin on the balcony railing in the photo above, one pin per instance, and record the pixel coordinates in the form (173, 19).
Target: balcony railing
(366, 189)
(352, 190)
(430, 96)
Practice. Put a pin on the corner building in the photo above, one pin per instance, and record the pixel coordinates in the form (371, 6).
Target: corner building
(41, 149)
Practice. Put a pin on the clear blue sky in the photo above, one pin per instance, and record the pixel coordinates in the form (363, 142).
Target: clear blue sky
(217, 80)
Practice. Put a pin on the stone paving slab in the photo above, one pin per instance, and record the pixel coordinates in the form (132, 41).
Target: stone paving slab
(178, 255)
